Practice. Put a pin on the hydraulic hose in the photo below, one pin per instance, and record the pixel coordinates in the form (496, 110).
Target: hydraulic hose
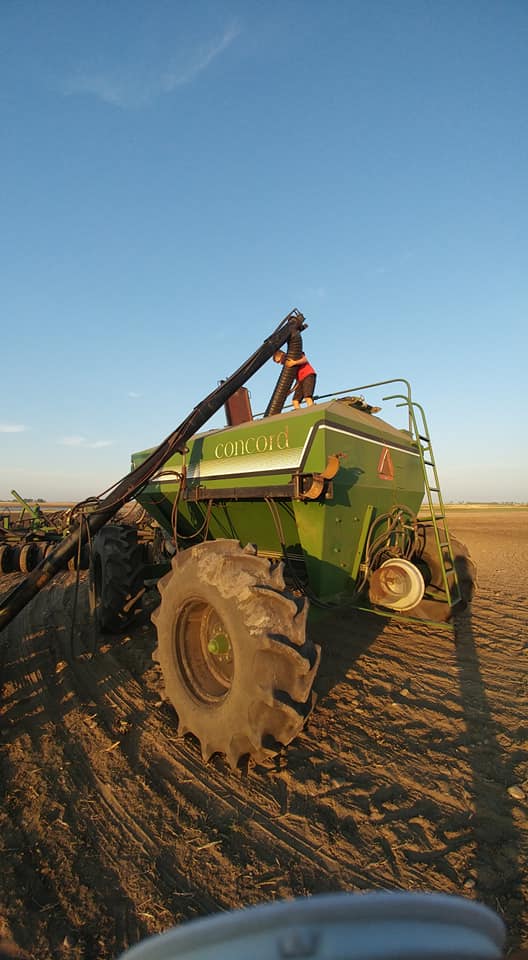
(126, 488)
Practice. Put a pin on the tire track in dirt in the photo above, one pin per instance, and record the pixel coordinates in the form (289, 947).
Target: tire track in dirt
(79, 791)
(164, 766)
(113, 827)
(204, 791)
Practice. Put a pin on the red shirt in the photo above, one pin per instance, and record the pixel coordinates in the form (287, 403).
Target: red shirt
(304, 370)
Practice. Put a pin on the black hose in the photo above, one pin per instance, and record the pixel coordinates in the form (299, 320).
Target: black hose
(286, 376)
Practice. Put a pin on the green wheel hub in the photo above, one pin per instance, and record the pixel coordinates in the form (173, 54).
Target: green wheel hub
(203, 650)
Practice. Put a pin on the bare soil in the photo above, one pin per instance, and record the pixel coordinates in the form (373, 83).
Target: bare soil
(112, 827)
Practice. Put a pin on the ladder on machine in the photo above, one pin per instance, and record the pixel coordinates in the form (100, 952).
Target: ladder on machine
(436, 518)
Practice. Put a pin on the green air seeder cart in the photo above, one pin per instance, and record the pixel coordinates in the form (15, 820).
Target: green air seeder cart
(312, 508)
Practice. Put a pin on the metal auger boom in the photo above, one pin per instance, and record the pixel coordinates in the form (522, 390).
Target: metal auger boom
(128, 486)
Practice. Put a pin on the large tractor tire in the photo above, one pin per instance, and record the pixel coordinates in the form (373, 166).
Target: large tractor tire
(116, 576)
(28, 557)
(428, 562)
(233, 652)
(6, 558)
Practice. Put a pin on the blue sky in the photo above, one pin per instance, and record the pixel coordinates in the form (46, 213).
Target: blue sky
(176, 176)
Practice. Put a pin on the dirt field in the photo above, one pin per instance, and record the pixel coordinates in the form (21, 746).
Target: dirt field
(412, 772)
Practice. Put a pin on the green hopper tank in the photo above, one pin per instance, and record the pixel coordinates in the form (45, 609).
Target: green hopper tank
(258, 483)
(315, 508)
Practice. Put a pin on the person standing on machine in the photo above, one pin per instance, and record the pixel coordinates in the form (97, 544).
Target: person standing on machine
(305, 377)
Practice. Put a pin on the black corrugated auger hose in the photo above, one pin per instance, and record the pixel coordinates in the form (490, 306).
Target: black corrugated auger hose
(287, 374)
(126, 489)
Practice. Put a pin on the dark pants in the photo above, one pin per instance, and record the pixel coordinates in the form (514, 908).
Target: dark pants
(305, 388)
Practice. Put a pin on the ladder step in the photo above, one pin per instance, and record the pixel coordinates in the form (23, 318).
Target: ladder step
(438, 520)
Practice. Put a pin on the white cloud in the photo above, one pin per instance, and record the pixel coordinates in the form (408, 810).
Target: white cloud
(72, 441)
(178, 76)
(132, 393)
(107, 88)
(83, 442)
(126, 88)
(12, 428)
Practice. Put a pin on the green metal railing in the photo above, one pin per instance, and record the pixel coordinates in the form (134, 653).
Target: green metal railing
(436, 519)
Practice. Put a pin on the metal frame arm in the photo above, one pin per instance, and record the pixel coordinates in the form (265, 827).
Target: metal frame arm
(132, 483)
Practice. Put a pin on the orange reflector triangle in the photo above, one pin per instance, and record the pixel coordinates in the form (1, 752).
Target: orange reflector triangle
(385, 465)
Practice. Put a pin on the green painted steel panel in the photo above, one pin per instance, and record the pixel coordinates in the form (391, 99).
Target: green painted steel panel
(379, 465)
